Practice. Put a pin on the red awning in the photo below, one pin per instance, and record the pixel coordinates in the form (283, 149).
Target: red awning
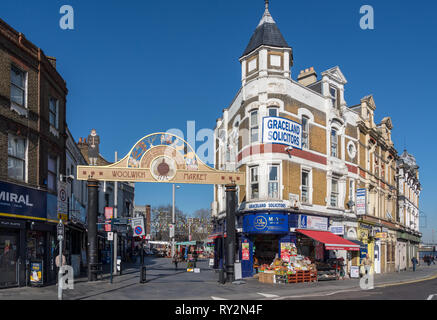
(331, 241)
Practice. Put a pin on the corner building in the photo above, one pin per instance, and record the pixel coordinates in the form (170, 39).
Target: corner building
(291, 194)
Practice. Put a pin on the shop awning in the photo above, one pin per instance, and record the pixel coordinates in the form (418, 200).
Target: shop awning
(331, 241)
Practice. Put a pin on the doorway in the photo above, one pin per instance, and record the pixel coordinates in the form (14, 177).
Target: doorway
(378, 257)
(266, 248)
(9, 253)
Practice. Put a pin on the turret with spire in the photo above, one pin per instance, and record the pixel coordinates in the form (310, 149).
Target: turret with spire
(267, 52)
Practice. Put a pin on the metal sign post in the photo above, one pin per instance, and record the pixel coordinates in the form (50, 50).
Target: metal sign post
(60, 231)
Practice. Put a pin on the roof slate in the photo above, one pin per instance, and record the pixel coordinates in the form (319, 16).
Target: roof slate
(267, 33)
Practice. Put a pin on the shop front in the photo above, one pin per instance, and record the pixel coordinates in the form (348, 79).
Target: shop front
(410, 247)
(12, 245)
(327, 251)
(261, 240)
(26, 236)
(366, 234)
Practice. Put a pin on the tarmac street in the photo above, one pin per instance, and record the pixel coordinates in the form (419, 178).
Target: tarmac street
(166, 283)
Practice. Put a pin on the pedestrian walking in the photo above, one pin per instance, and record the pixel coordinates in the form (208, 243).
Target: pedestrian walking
(414, 262)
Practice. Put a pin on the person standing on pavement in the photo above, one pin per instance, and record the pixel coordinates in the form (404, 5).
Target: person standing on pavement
(414, 261)
(367, 263)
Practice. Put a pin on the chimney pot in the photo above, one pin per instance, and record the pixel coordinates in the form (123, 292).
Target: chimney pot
(307, 76)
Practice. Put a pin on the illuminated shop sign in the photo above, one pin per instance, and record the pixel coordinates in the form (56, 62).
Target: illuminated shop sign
(278, 130)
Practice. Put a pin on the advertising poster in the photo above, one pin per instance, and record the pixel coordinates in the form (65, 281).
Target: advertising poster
(245, 251)
(36, 273)
(286, 251)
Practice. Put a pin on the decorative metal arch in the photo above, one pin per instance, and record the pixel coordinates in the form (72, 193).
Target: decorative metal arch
(163, 158)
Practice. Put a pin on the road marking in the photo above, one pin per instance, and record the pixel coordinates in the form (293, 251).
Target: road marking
(268, 295)
(318, 294)
(217, 298)
(431, 296)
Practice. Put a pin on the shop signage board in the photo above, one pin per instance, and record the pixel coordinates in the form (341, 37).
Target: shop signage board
(355, 272)
(163, 158)
(381, 235)
(277, 130)
(313, 223)
(265, 223)
(262, 206)
(361, 201)
(338, 230)
(27, 202)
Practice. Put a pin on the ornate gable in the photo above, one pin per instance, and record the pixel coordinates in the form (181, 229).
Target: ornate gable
(335, 74)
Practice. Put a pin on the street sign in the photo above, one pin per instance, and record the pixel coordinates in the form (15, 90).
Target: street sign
(62, 199)
(60, 230)
(109, 213)
(110, 236)
(108, 226)
(138, 227)
(171, 226)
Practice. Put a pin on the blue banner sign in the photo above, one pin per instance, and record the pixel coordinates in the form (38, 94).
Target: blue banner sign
(265, 223)
(282, 131)
(22, 201)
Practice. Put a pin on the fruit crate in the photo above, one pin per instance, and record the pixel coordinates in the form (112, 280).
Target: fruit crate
(303, 276)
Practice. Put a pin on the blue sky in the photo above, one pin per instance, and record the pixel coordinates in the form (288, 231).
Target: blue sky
(138, 67)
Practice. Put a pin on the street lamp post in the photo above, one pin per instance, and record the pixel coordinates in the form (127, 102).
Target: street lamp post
(173, 221)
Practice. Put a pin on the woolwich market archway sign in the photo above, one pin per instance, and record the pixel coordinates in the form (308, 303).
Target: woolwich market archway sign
(159, 158)
(162, 158)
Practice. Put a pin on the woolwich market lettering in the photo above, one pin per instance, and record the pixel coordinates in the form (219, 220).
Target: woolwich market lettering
(164, 158)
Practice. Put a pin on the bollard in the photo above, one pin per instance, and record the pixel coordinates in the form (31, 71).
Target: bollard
(143, 274)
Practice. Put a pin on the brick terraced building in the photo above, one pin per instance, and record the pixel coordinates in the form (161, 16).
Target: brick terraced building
(32, 156)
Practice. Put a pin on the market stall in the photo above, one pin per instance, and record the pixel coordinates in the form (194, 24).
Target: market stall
(291, 267)
(321, 246)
